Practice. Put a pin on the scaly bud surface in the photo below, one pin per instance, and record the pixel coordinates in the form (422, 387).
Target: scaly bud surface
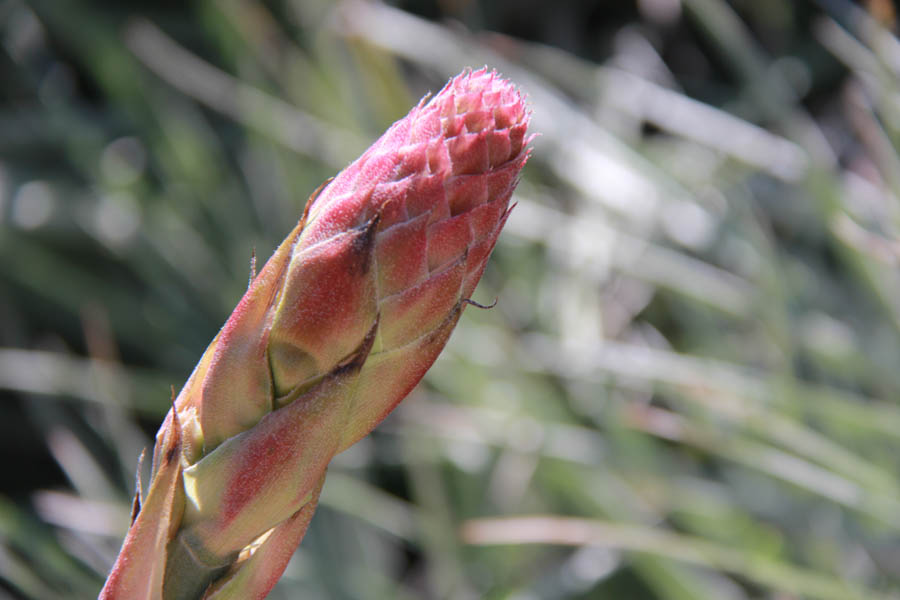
(342, 322)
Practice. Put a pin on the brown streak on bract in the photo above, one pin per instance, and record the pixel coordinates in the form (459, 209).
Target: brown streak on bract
(364, 245)
(138, 492)
(311, 200)
(356, 360)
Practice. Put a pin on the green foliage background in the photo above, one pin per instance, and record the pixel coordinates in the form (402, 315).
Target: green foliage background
(688, 388)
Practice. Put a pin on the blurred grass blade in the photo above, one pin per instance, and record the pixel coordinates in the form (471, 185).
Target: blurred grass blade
(275, 118)
(567, 531)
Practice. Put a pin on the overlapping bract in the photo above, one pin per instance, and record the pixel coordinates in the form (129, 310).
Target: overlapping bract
(340, 324)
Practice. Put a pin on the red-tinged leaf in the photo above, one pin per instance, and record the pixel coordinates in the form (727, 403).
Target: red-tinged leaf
(502, 180)
(486, 220)
(237, 388)
(186, 405)
(326, 308)
(388, 377)
(478, 119)
(140, 566)
(391, 197)
(426, 195)
(258, 478)
(415, 312)
(470, 153)
(477, 259)
(499, 147)
(412, 160)
(448, 240)
(465, 192)
(401, 256)
(254, 577)
(426, 126)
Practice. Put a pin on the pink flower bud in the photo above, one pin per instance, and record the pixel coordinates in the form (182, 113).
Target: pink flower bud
(341, 323)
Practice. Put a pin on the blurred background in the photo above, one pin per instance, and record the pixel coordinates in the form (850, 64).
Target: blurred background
(689, 385)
